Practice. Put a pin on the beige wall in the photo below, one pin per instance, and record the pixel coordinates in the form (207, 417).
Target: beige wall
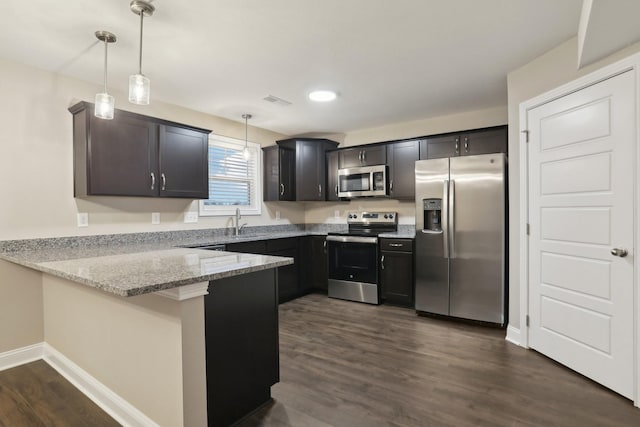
(550, 70)
(134, 346)
(36, 170)
(21, 322)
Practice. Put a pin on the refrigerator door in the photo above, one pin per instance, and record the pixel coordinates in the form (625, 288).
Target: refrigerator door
(477, 220)
(432, 262)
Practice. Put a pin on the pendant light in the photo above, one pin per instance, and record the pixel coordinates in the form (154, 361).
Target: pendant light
(105, 103)
(245, 153)
(139, 84)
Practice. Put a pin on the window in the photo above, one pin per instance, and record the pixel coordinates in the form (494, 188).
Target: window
(234, 182)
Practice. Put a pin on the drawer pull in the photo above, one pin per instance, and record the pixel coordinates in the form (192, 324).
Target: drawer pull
(396, 245)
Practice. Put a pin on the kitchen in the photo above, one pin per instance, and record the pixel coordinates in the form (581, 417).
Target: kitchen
(36, 148)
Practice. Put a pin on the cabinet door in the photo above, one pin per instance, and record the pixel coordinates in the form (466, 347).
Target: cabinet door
(374, 155)
(401, 158)
(319, 268)
(287, 276)
(349, 158)
(122, 157)
(439, 147)
(183, 163)
(332, 176)
(287, 174)
(310, 185)
(484, 142)
(396, 277)
(271, 174)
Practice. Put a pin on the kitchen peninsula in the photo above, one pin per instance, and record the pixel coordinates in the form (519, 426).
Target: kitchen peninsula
(160, 335)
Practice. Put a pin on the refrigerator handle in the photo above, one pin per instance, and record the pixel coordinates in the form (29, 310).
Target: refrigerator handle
(445, 218)
(451, 211)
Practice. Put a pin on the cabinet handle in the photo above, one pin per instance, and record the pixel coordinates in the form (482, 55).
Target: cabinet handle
(153, 181)
(382, 262)
(282, 189)
(466, 144)
(360, 156)
(396, 245)
(319, 189)
(336, 190)
(457, 145)
(391, 186)
(325, 246)
(364, 156)
(164, 181)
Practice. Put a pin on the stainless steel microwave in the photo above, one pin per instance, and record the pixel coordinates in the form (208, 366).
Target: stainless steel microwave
(365, 181)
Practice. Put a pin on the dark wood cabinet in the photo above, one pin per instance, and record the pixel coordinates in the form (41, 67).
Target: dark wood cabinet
(279, 174)
(332, 160)
(314, 264)
(289, 284)
(241, 338)
(362, 156)
(396, 271)
(482, 141)
(300, 172)
(136, 155)
(401, 158)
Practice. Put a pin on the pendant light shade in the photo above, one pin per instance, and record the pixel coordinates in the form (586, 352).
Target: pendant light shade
(105, 103)
(246, 153)
(139, 84)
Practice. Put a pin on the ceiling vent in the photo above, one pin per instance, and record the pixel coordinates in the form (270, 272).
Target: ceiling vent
(275, 100)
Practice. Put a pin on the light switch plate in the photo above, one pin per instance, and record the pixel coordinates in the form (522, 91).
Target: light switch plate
(190, 217)
(155, 217)
(277, 215)
(83, 219)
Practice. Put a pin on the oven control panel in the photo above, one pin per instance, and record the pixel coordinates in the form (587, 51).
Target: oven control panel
(372, 217)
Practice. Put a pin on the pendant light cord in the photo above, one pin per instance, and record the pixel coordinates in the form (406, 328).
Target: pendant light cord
(106, 43)
(246, 121)
(140, 55)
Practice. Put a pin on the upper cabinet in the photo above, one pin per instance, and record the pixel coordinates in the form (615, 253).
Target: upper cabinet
(362, 156)
(484, 141)
(332, 159)
(401, 159)
(136, 155)
(300, 170)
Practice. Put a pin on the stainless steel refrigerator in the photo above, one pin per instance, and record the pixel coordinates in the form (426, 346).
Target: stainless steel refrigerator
(460, 237)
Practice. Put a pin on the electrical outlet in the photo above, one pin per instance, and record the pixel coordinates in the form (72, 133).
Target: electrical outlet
(155, 217)
(336, 214)
(83, 219)
(190, 217)
(277, 215)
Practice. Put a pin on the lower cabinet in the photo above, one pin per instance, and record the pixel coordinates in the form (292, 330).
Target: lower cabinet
(314, 264)
(396, 271)
(288, 276)
(242, 353)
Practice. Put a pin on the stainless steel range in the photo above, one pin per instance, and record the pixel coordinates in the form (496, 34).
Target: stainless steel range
(353, 256)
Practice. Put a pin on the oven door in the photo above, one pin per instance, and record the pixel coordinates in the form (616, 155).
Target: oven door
(353, 268)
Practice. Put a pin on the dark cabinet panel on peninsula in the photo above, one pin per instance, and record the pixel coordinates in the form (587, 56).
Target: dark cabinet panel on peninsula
(136, 155)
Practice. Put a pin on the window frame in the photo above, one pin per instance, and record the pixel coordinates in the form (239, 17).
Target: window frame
(256, 207)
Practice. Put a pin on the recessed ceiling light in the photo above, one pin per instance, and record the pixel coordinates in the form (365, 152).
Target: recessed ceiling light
(322, 95)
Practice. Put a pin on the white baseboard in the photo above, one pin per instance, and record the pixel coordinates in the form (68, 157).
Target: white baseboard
(513, 335)
(20, 356)
(114, 405)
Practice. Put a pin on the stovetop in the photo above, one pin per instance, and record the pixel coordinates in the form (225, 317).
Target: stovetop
(369, 224)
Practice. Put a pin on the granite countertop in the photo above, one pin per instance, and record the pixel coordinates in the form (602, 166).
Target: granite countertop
(135, 270)
(136, 264)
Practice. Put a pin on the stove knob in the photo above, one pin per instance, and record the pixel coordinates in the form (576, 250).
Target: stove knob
(355, 216)
(386, 216)
(390, 216)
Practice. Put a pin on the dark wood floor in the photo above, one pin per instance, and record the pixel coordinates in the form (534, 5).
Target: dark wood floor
(35, 394)
(350, 364)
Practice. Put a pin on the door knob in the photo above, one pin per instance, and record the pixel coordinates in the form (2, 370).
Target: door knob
(621, 252)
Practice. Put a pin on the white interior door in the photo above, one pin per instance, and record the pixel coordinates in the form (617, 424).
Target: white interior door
(581, 187)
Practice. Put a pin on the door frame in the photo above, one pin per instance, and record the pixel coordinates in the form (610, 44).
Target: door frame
(632, 64)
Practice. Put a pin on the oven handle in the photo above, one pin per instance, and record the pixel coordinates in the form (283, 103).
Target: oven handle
(352, 239)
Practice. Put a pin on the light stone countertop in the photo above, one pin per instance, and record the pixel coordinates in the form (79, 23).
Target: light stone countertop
(136, 270)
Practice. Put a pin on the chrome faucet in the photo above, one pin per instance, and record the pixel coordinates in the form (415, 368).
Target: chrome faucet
(237, 227)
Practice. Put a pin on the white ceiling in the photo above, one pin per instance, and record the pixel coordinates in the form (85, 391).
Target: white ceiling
(390, 61)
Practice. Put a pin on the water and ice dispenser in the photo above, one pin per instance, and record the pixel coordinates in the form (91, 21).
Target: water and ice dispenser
(432, 214)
